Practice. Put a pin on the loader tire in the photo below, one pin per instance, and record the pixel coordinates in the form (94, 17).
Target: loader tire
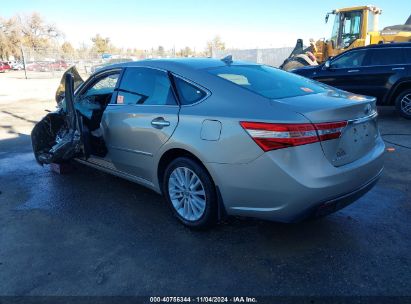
(293, 64)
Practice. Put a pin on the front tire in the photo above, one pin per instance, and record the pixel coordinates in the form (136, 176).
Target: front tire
(190, 193)
(403, 104)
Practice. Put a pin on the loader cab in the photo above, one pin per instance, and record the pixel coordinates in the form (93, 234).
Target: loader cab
(351, 28)
(346, 29)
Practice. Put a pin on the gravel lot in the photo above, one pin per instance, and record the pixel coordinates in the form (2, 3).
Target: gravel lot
(89, 233)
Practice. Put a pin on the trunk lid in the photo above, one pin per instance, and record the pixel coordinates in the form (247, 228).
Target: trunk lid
(357, 138)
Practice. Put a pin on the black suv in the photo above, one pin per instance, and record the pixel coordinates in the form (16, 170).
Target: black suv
(382, 71)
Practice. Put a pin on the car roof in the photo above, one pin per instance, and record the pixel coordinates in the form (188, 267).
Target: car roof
(384, 45)
(179, 63)
(375, 46)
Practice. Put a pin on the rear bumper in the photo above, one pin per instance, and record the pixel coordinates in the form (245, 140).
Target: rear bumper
(289, 185)
(338, 203)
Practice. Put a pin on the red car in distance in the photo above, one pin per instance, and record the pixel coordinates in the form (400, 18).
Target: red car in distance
(47, 66)
(4, 67)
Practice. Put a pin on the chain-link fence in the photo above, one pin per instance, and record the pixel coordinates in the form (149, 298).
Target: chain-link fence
(274, 56)
(52, 62)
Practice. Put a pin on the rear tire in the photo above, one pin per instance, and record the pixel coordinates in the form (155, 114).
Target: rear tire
(403, 104)
(190, 192)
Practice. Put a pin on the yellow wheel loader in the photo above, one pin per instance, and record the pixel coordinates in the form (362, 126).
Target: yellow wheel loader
(353, 27)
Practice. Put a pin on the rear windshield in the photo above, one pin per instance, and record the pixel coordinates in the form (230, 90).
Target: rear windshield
(268, 81)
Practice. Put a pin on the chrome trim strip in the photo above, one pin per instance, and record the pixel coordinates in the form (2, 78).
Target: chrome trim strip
(132, 151)
(256, 209)
(141, 105)
(126, 65)
(363, 119)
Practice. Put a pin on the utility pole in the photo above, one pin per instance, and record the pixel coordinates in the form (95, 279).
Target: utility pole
(21, 47)
(24, 60)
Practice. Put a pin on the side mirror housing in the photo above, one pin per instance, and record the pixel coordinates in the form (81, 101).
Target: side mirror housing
(327, 65)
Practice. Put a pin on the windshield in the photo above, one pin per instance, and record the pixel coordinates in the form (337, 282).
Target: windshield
(267, 81)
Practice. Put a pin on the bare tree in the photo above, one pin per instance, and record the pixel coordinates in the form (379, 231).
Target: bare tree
(37, 34)
(10, 38)
(216, 44)
(186, 52)
(101, 45)
(68, 50)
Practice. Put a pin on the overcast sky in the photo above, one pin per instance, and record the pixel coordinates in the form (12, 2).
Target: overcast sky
(241, 24)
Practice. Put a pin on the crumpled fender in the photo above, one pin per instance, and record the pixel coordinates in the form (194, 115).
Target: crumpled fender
(53, 141)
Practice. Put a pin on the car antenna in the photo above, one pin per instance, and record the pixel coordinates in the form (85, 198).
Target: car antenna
(228, 59)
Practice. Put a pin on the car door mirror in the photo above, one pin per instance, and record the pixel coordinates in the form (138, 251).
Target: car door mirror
(59, 97)
(327, 65)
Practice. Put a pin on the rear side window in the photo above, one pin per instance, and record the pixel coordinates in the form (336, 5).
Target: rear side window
(387, 56)
(267, 81)
(349, 60)
(145, 86)
(187, 92)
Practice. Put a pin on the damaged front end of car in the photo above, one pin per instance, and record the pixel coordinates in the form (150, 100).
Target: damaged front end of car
(57, 138)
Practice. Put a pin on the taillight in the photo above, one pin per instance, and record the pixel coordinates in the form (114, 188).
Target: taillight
(330, 130)
(272, 136)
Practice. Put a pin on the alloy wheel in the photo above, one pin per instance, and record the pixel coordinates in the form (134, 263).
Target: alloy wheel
(187, 193)
(406, 104)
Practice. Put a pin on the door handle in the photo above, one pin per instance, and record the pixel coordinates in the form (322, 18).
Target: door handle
(396, 69)
(353, 71)
(160, 123)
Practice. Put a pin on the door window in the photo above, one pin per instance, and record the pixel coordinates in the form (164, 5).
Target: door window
(97, 96)
(349, 60)
(371, 21)
(103, 86)
(145, 86)
(336, 30)
(387, 56)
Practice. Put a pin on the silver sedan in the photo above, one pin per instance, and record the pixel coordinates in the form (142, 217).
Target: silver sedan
(217, 137)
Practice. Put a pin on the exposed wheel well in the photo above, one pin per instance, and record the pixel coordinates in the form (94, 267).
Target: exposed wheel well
(169, 156)
(397, 91)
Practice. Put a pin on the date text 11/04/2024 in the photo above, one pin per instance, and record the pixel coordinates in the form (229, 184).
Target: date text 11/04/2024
(203, 300)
